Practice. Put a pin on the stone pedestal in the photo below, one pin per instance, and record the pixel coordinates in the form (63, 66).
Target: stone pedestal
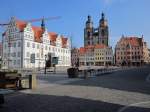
(32, 81)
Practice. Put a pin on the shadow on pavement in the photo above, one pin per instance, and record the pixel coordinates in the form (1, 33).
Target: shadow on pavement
(21, 102)
(132, 80)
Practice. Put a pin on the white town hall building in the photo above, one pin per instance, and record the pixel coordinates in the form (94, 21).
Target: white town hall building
(21, 40)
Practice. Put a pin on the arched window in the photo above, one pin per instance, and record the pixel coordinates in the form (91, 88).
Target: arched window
(103, 32)
(88, 34)
(102, 41)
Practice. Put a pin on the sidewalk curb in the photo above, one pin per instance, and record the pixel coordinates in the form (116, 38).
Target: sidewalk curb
(123, 109)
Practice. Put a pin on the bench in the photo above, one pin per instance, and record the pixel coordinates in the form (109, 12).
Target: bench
(9, 80)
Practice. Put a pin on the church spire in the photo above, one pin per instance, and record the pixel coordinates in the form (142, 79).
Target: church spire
(89, 18)
(43, 24)
(89, 23)
(103, 16)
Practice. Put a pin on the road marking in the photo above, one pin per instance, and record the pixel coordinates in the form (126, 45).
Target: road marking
(148, 78)
(131, 105)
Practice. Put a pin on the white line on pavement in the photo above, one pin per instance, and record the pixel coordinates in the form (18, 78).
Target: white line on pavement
(131, 105)
(148, 78)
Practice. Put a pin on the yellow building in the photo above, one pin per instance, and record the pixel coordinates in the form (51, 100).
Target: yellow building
(98, 55)
(103, 55)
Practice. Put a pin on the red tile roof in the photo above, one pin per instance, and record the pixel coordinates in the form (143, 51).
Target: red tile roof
(100, 46)
(21, 25)
(64, 41)
(133, 41)
(52, 37)
(37, 33)
(82, 50)
(89, 47)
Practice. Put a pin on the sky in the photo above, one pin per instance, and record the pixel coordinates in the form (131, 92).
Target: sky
(125, 17)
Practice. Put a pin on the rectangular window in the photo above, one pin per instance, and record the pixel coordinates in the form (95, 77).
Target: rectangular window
(14, 62)
(18, 62)
(14, 44)
(28, 44)
(5, 46)
(28, 54)
(45, 47)
(37, 46)
(33, 45)
(14, 54)
(19, 44)
(18, 54)
(37, 55)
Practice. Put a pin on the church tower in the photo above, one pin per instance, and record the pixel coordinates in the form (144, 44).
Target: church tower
(88, 32)
(103, 30)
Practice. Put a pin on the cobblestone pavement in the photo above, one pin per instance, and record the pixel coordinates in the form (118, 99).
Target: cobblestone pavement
(121, 91)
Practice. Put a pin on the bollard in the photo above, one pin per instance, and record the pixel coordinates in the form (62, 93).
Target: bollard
(85, 74)
(32, 81)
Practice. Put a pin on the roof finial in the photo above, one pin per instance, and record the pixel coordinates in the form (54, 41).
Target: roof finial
(103, 16)
(43, 24)
(89, 18)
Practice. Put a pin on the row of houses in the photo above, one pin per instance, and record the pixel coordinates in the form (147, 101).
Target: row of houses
(129, 51)
(28, 46)
(96, 51)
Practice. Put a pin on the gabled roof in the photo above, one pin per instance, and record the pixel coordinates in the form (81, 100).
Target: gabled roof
(21, 25)
(82, 50)
(132, 41)
(37, 33)
(64, 41)
(37, 30)
(52, 36)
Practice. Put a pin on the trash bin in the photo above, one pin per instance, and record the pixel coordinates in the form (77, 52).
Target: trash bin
(73, 72)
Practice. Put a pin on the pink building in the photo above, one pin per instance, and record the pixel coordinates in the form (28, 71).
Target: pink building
(75, 57)
(131, 51)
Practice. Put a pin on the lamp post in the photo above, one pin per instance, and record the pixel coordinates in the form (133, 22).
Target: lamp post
(45, 64)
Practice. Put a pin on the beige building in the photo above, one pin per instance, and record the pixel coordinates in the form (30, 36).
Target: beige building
(146, 57)
(103, 55)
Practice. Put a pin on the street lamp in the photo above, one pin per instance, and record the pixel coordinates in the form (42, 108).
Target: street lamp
(45, 64)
